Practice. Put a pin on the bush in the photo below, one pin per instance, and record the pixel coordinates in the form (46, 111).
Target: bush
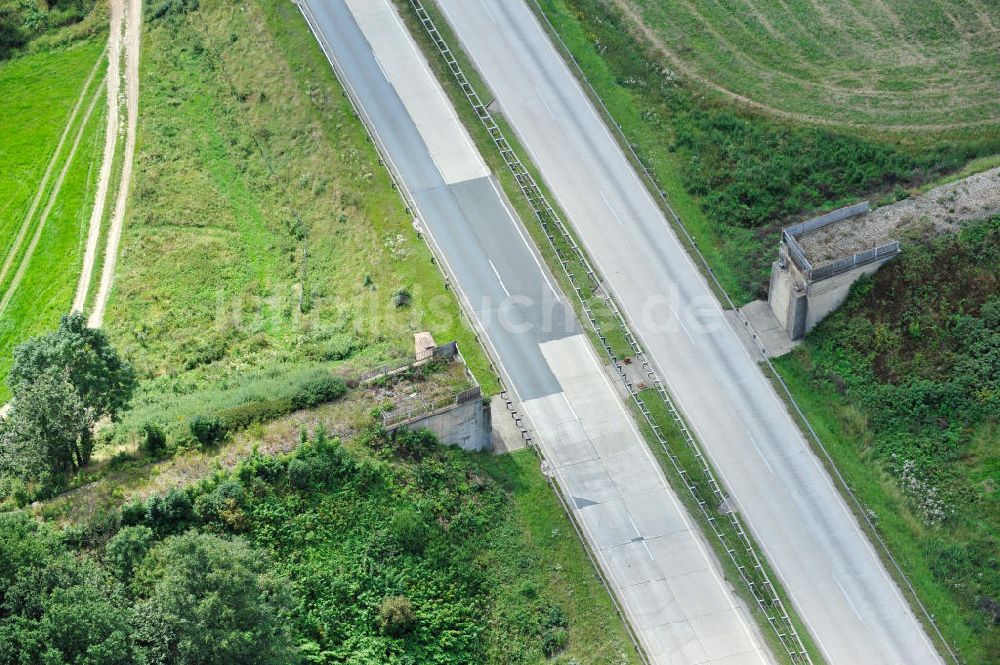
(244, 415)
(299, 474)
(153, 440)
(396, 617)
(413, 445)
(223, 505)
(169, 512)
(127, 549)
(409, 530)
(553, 641)
(318, 391)
(402, 298)
(208, 430)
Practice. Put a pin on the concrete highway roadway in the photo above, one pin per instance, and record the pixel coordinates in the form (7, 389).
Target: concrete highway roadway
(837, 583)
(654, 558)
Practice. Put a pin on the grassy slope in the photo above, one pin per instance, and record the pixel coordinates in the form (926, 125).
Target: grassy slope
(900, 375)
(878, 65)
(258, 191)
(43, 86)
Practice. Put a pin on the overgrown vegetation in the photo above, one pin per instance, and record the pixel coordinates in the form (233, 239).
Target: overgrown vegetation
(734, 177)
(904, 384)
(392, 550)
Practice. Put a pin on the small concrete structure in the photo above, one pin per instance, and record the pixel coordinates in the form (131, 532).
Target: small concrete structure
(800, 294)
(423, 344)
(466, 423)
(463, 419)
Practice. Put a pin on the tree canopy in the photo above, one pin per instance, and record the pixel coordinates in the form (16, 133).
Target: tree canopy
(104, 381)
(209, 599)
(63, 383)
(45, 434)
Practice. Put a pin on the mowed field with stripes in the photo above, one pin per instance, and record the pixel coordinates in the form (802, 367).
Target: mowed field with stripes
(54, 116)
(881, 65)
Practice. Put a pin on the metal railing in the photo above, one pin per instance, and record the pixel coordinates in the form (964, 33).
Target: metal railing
(442, 351)
(797, 253)
(742, 553)
(791, 234)
(859, 259)
(832, 217)
(393, 419)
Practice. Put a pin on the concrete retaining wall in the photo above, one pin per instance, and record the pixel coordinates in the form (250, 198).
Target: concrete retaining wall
(799, 302)
(468, 425)
(828, 294)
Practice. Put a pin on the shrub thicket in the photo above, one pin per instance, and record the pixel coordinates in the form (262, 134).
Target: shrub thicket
(390, 559)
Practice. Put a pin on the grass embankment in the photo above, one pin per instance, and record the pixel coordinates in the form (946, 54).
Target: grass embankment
(901, 384)
(40, 89)
(263, 234)
(264, 240)
(733, 176)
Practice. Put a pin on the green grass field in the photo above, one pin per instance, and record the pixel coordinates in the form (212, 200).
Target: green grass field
(39, 90)
(262, 231)
(880, 66)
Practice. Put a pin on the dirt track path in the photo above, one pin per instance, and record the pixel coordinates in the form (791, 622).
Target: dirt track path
(133, 32)
(36, 201)
(116, 15)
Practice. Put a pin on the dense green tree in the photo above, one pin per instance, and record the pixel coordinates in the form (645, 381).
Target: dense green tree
(46, 435)
(63, 382)
(104, 381)
(56, 608)
(127, 549)
(209, 599)
(86, 624)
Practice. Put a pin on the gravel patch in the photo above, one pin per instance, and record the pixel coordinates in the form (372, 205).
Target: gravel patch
(941, 210)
